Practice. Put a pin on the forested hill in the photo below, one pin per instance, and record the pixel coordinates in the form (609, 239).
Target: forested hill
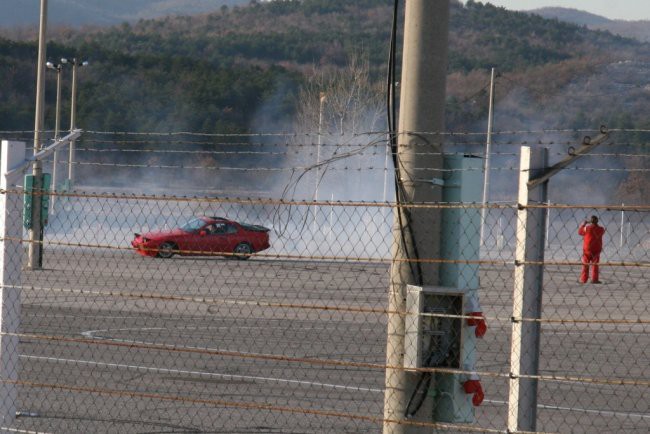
(213, 72)
(324, 32)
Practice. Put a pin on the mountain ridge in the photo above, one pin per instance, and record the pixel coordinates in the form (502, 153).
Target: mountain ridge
(77, 13)
(636, 29)
(575, 16)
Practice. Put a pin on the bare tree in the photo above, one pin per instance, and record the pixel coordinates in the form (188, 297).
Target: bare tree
(334, 106)
(353, 103)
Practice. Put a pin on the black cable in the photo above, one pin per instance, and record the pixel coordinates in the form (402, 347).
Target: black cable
(435, 358)
(390, 86)
(475, 94)
(391, 110)
(425, 377)
(391, 107)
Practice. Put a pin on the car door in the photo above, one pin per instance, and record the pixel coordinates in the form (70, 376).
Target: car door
(218, 239)
(196, 242)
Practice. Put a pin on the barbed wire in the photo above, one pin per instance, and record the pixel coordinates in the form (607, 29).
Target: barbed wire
(275, 169)
(506, 205)
(422, 144)
(325, 308)
(285, 153)
(330, 133)
(355, 134)
(133, 344)
(338, 134)
(257, 406)
(333, 258)
(335, 169)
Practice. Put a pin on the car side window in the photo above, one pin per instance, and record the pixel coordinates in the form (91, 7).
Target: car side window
(219, 228)
(231, 229)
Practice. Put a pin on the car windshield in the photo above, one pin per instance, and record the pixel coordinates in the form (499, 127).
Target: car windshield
(193, 225)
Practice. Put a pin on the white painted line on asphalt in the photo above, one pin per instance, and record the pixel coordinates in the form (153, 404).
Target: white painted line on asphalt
(90, 334)
(201, 373)
(582, 410)
(310, 383)
(6, 429)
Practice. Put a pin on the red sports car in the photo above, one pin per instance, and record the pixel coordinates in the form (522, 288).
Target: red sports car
(204, 236)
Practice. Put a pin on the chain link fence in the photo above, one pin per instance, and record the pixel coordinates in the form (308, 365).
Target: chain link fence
(118, 333)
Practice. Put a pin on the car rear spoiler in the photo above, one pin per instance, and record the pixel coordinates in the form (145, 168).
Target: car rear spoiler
(255, 228)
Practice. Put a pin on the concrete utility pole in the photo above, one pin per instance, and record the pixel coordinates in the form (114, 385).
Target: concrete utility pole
(422, 108)
(529, 278)
(36, 232)
(527, 294)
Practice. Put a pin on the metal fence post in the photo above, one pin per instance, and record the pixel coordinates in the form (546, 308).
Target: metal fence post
(547, 235)
(11, 258)
(527, 296)
(622, 243)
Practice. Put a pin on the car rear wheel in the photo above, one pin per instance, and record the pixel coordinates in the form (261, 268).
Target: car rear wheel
(166, 250)
(243, 251)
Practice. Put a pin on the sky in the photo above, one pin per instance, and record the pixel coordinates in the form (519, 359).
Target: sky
(614, 9)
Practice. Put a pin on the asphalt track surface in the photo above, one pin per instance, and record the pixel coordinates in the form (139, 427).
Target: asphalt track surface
(115, 342)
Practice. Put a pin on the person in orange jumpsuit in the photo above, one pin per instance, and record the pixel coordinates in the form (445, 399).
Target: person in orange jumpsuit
(592, 245)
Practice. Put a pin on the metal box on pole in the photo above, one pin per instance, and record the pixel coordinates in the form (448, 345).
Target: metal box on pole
(434, 332)
(33, 198)
(460, 247)
(443, 322)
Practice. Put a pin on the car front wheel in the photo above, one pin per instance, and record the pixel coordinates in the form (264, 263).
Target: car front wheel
(166, 250)
(243, 251)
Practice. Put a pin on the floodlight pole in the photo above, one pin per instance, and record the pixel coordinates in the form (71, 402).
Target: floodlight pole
(323, 97)
(73, 123)
(73, 115)
(57, 119)
(35, 233)
(57, 129)
(488, 150)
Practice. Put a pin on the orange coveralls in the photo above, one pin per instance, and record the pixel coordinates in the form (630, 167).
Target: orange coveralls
(592, 245)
